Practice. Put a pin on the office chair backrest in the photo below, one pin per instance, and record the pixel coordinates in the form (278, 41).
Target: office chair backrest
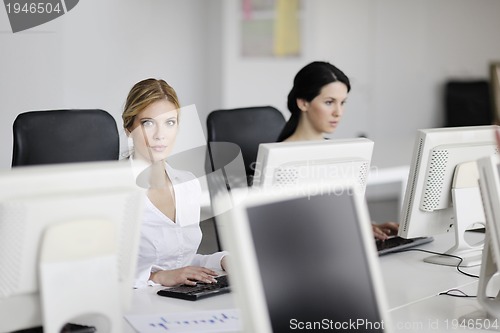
(64, 136)
(246, 127)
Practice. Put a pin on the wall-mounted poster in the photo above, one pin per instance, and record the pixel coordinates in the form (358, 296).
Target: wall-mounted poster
(270, 28)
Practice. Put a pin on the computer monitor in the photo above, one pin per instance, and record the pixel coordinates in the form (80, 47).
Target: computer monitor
(303, 261)
(442, 192)
(488, 291)
(284, 164)
(68, 245)
(385, 191)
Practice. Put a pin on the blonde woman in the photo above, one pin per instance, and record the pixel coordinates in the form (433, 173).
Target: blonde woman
(170, 231)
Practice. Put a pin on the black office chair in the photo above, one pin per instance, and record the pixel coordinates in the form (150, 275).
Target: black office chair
(247, 128)
(232, 131)
(64, 136)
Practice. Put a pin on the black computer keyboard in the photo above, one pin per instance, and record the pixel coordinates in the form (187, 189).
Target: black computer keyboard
(395, 244)
(201, 290)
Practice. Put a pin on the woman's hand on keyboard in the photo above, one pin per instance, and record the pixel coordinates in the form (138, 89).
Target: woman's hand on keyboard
(384, 230)
(188, 275)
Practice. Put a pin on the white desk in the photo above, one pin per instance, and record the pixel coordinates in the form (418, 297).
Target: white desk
(439, 314)
(409, 279)
(412, 288)
(146, 301)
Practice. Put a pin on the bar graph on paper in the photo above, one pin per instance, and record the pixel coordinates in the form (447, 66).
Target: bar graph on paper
(200, 322)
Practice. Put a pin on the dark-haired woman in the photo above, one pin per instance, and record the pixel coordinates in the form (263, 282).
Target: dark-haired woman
(316, 103)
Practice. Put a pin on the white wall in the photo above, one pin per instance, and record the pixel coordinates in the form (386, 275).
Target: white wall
(398, 54)
(91, 57)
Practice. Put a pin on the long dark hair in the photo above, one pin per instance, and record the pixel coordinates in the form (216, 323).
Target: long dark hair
(307, 85)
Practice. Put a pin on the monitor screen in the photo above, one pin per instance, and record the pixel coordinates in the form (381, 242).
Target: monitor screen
(442, 193)
(35, 201)
(284, 164)
(312, 258)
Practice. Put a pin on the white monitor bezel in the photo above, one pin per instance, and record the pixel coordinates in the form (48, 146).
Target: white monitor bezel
(244, 272)
(489, 182)
(414, 221)
(56, 182)
(270, 156)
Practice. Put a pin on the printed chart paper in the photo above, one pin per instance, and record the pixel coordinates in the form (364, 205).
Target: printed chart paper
(200, 322)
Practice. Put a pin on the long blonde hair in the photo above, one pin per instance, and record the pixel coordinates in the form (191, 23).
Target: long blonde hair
(142, 95)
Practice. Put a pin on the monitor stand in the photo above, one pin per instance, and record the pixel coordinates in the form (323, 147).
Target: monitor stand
(78, 274)
(468, 210)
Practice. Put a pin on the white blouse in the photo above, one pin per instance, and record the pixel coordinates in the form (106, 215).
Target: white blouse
(167, 245)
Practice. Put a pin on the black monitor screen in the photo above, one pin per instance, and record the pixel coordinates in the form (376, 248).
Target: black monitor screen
(313, 266)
